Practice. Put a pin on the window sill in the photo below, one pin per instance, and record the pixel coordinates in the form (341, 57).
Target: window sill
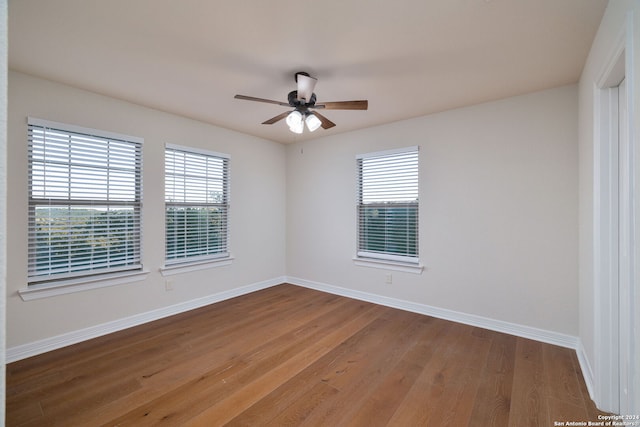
(46, 290)
(389, 265)
(170, 270)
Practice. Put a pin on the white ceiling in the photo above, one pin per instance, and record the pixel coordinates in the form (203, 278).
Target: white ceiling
(407, 57)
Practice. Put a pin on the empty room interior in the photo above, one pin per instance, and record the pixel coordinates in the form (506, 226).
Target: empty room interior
(322, 213)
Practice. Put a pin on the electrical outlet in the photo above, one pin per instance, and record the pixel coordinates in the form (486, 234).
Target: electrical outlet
(388, 279)
(168, 285)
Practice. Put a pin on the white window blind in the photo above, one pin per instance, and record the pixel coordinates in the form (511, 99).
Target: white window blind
(388, 205)
(85, 195)
(197, 205)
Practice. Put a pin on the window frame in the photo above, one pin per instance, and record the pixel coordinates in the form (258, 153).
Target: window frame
(386, 259)
(196, 262)
(75, 278)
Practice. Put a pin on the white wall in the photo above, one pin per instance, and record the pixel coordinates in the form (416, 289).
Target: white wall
(257, 214)
(498, 210)
(611, 26)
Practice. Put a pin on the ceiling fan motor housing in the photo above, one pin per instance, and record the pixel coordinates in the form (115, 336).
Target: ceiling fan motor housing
(298, 104)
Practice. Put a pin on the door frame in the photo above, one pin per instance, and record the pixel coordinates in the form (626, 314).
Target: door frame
(614, 305)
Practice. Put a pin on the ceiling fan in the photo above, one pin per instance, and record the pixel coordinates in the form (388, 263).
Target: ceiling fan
(303, 101)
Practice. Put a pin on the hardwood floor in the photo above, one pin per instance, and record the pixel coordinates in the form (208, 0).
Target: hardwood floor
(290, 356)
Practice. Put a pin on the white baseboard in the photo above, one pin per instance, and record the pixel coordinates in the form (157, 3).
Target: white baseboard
(587, 371)
(48, 344)
(523, 331)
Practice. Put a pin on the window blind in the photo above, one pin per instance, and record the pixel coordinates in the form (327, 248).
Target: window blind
(85, 194)
(197, 204)
(388, 205)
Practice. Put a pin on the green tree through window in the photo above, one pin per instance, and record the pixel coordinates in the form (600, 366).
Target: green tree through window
(388, 205)
(84, 201)
(196, 198)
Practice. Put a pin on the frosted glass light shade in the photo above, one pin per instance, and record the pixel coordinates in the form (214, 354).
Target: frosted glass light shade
(313, 122)
(295, 123)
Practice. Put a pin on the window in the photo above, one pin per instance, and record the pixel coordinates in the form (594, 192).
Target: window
(388, 205)
(197, 205)
(85, 195)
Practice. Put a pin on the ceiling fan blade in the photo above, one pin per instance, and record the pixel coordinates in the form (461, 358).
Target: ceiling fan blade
(276, 118)
(344, 105)
(306, 84)
(326, 123)
(268, 101)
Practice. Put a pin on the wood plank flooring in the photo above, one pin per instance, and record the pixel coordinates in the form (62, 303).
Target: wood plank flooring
(290, 356)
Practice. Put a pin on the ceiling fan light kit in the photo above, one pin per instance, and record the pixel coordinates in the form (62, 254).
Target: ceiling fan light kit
(303, 100)
(296, 120)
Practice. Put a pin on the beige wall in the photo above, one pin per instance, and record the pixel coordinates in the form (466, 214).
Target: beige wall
(257, 219)
(498, 210)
